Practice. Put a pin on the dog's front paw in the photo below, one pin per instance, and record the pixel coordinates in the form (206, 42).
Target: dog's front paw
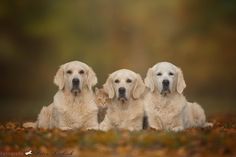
(93, 128)
(30, 125)
(65, 128)
(206, 125)
(177, 129)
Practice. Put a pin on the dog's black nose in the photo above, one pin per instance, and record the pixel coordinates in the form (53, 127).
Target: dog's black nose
(121, 90)
(75, 81)
(165, 83)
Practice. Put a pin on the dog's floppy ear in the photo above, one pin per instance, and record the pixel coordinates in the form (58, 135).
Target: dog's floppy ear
(108, 88)
(180, 81)
(91, 78)
(149, 82)
(59, 78)
(139, 87)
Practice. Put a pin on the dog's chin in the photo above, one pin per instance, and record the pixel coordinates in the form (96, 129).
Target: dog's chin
(165, 92)
(76, 91)
(122, 99)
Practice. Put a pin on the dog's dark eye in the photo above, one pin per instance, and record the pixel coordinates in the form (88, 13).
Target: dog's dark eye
(81, 71)
(159, 74)
(117, 81)
(128, 80)
(69, 72)
(171, 74)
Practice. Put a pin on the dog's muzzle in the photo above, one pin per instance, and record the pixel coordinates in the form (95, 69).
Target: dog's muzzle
(75, 86)
(166, 87)
(122, 95)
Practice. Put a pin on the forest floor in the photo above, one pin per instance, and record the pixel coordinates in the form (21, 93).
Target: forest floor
(209, 142)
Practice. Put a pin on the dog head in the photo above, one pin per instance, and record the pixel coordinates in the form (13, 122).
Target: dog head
(75, 76)
(124, 85)
(166, 78)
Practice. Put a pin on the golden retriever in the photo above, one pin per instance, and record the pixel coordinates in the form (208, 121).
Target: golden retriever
(74, 104)
(126, 108)
(165, 105)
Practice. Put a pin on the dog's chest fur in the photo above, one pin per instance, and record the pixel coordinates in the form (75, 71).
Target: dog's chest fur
(74, 111)
(122, 115)
(166, 109)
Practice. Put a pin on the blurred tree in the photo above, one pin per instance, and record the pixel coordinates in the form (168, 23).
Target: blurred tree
(37, 36)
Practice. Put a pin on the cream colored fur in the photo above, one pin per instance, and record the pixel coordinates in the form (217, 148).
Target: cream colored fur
(124, 114)
(70, 110)
(170, 111)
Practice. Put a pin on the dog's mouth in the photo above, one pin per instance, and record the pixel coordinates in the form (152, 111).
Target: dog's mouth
(123, 99)
(165, 91)
(75, 91)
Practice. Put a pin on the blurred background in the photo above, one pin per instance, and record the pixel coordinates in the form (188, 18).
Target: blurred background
(37, 36)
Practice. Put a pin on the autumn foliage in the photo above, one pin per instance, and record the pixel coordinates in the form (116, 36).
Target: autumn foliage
(217, 141)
